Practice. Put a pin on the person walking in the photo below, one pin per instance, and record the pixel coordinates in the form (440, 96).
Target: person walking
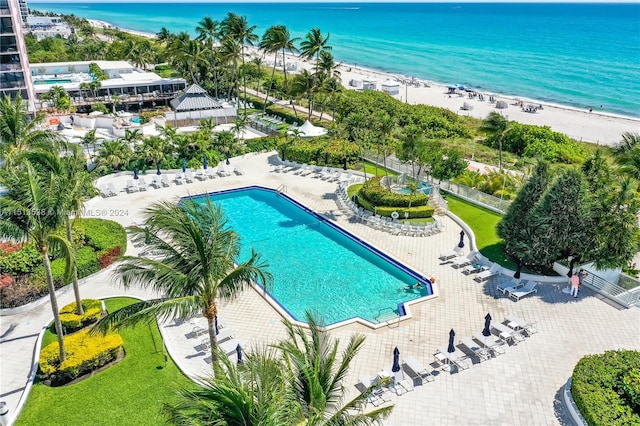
(575, 284)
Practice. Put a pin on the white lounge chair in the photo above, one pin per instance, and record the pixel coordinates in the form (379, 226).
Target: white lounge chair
(105, 192)
(495, 345)
(188, 176)
(485, 275)
(529, 288)
(482, 353)
(310, 169)
(416, 370)
(142, 184)
(320, 173)
(521, 325)
(399, 383)
(455, 252)
(238, 171)
(457, 358)
(507, 334)
(201, 175)
(165, 181)
(474, 268)
(178, 179)
(155, 182)
(211, 173)
(511, 285)
(463, 261)
(301, 169)
(130, 187)
(378, 394)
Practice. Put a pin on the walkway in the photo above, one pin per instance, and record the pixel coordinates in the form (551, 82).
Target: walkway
(521, 387)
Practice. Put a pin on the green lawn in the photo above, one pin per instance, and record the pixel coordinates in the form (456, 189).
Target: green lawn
(128, 393)
(483, 222)
(371, 169)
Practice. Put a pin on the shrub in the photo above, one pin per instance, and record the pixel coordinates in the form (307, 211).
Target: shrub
(414, 212)
(72, 321)
(103, 235)
(274, 109)
(85, 353)
(20, 292)
(109, 257)
(19, 259)
(373, 192)
(267, 143)
(86, 264)
(605, 388)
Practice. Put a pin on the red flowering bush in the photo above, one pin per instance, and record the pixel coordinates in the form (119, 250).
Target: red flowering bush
(109, 257)
(5, 281)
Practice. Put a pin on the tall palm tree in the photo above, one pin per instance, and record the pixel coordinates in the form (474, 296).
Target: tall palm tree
(194, 267)
(238, 28)
(18, 133)
(252, 394)
(304, 83)
(240, 124)
(275, 40)
(497, 125)
(628, 154)
(313, 44)
(209, 32)
(230, 52)
(154, 148)
(89, 140)
(29, 210)
(317, 373)
(114, 155)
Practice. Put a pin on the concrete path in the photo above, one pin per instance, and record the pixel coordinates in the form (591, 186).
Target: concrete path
(521, 387)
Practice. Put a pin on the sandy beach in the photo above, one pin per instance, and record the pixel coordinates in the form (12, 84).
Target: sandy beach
(587, 126)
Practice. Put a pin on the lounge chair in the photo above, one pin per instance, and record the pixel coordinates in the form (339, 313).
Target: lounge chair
(511, 285)
(301, 169)
(188, 176)
(485, 275)
(320, 173)
(457, 358)
(524, 291)
(165, 181)
(463, 261)
(211, 173)
(142, 184)
(310, 169)
(457, 251)
(130, 187)
(482, 353)
(377, 393)
(222, 336)
(474, 268)
(416, 370)
(178, 179)
(507, 334)
(201, 175)
(238, 171)
(521, 325)
(104, 191)
(399, 383)
(495, 345)
(156, 183)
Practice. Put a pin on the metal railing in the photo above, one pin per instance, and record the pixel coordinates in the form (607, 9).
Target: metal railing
(612, 291)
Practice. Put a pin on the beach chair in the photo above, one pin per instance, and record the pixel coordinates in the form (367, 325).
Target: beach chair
(482, 353)
(474, 268)
(130, 187)
(495, 345)
(377, 394)
(301, 169)
(507, 334)
(511, 285)
(188, 176)
(463, 261)
(485, 275)
(178, 179)
(455, 252)
(211, 173)
(238, 171)
(457, 358)
(320, 173)
(155, 182)
(526, 290)
(142, 184)
(201, 175)
(165, 181)
(416, 371)
(104, 191)
(521, 325)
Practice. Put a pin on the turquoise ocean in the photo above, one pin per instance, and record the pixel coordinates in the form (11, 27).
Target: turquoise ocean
(579, 55)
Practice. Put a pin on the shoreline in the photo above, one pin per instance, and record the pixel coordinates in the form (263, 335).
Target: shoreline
(597, 127)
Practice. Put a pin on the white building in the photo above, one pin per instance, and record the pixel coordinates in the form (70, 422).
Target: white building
(48, 26)
(126, 84)
(390, 87)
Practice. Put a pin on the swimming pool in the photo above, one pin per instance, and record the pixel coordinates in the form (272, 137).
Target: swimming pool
(53, 81)
(422, 187)
(316, 265)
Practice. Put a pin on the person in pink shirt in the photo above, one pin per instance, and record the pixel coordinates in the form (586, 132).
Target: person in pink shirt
(575, 284)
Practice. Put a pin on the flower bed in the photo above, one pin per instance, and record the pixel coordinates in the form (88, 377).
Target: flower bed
(73, 322)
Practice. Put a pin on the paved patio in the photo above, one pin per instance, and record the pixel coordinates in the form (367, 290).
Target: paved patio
(521, 387)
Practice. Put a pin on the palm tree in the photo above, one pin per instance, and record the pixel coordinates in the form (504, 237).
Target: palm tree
(240, 124)
(628, 154)
(230, 52)
(18, 133)
(313, 44)
(304, 83)
(252, 394)
(278, 39)
(328, 65)
(238, 28)
(154, 148)
(225, 142)
(114, 155)
(317, 373)
(89, 140)
(497, 125)
(29, 210)
(195, 266)
(209, 32)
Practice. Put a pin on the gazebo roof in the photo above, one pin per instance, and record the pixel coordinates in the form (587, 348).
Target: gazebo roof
(194, 98)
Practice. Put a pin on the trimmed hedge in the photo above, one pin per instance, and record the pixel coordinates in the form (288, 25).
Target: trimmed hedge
(21, 261)
(72, 321)
(274, 109)
(104, 235)
(377, 195)
(320, 151)
(86, 264)
(267, 143)
(414, 212)
(606, 388)
(85, 353)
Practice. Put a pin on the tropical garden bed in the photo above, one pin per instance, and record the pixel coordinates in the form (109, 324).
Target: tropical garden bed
(97, 243)
(129, 392)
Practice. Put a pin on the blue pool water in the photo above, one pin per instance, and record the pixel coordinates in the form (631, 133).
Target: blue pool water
(316, 266)
(422, 186)
(53, 81)
(136, 120)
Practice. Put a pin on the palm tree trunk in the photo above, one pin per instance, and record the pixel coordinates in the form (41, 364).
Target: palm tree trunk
(54, 303)
(76, 288)
(213, 339)
(284, 70)
(273, 73)
(244, 81)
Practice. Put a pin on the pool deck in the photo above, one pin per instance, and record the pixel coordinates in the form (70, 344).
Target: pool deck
(521, 387)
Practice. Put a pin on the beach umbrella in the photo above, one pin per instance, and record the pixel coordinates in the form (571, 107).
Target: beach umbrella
(184, 165)
(486, 331)
(452, 347)
(461, 243)
(204, 163)
(396, 360)
(215, 322)
(135, 173)
(227, 155)
(239, 353)
(158, 172)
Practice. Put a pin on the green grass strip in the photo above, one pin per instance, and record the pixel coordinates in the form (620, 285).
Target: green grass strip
(483, 222)
(128, 393)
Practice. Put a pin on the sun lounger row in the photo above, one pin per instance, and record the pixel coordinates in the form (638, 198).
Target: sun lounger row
(516, 289)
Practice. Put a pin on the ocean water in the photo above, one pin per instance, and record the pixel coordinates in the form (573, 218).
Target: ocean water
(578, 55)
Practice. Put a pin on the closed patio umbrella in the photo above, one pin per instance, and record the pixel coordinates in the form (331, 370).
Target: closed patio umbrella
(452, 347)
(184, 165)
(135, 173)
(486, 331)
(204, 163)
(396, 360)
(239, 353)
(215, 322)
(461, 243)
